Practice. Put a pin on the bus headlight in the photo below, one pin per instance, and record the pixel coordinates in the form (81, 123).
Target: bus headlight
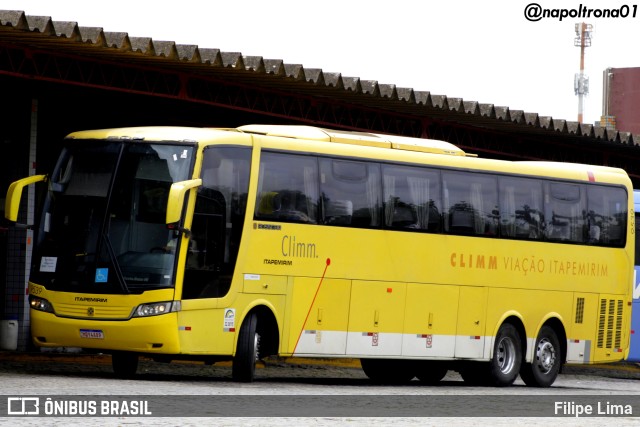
(156, 308)
(40, 304)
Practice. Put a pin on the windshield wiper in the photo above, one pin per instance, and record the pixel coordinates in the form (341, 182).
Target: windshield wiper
(112, 255)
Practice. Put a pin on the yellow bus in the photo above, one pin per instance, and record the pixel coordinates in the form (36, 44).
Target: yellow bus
(408, 254)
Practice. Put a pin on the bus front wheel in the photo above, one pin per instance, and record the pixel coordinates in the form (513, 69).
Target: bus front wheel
(546, 361)
(247, 353)
(507, 356)
(124, 364)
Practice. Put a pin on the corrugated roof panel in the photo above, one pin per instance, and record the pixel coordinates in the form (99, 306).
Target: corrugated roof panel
(41, 31)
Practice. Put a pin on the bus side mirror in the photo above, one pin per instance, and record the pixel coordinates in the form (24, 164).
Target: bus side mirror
(175, 203)
(14, 194)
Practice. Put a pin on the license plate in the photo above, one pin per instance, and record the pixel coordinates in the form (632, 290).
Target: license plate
(92, 334)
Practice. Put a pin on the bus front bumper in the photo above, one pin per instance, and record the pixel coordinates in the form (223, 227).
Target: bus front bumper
(153, 334)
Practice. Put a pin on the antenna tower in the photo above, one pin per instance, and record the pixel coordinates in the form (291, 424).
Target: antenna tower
(581, 82)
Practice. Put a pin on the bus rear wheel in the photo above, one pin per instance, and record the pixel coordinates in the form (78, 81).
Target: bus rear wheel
(388, 371)
(504, 366)
(124, 364)
(247, 353)
(546, 361)
(431, 372)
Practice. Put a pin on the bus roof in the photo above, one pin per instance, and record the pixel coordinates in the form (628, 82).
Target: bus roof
(405, 148)
(168, 133)
(356, 138)
(152, 133)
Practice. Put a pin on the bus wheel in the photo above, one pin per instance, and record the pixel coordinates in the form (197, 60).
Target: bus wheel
(507, 356)
(546, 362)
(388, 371)
(476, 373)
(431, 372)
(124, 364)
(244, 363)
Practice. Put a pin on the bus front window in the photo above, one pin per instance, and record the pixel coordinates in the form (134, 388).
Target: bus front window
(103, 228)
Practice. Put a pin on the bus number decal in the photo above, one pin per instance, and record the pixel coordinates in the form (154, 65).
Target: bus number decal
(34, 290)
(375, 338)
(229, 320)
(428, 338)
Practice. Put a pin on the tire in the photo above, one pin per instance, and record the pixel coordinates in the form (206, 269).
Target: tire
(247, 353)
(431, 372)
(124, 364)
(504, 366)
(476, 373)
(544, 369)
(388, 371)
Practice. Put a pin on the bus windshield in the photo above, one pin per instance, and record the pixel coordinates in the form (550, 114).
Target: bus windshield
(103, 228)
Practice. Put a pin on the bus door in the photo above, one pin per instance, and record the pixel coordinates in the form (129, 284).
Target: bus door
(214, 240)
(470, 334)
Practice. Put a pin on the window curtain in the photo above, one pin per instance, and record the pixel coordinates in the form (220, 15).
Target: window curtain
(447, 204)
(373, 196)
(419, 189)
(311, 191)
(476, 201)
(508, 212)
(575, 228)
(389, 191)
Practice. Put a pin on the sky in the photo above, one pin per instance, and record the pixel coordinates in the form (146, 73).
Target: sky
(485, 51)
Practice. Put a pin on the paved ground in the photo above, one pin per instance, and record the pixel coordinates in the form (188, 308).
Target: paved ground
(291, 367)
(91, 374)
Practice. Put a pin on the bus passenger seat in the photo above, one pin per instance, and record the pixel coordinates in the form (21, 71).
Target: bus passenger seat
(338, 212)
(462, 221)
(404, 216)
(615, 234)
(267, 205)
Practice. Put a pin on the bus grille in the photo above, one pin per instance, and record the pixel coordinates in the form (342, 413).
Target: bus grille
(579, 310)
(93, 312)
(610, 324)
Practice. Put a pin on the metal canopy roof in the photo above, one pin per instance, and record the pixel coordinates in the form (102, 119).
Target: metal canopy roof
(280, 80)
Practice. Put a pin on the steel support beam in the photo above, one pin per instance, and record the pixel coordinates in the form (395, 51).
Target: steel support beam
(238, 92)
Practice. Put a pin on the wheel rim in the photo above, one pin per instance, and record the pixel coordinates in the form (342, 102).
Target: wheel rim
(506, 355)
(545, 355)
(256, 345)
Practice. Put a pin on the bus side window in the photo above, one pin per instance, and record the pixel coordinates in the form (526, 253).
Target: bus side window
(471, 203)
(521, 210)
(287, 188)
(411, 198)
(606, 216)
(351, 193)
(566, 213)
